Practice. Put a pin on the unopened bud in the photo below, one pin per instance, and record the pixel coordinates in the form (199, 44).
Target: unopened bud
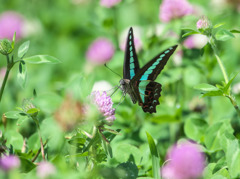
(29, 107)
(5, 47)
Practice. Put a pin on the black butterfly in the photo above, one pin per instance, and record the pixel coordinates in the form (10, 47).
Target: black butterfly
(139, 83)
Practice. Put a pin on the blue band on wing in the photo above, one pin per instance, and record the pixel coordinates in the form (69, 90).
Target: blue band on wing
(132, 66)
(142, 87)
(154, 65)
(144, 77)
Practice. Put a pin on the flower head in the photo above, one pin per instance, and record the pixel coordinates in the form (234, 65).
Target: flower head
(70, 113)
(185, 162)
(9, 162)
(100, 51)
(45, 169)
(203, 23)
(189, 43)
(109, 3)
(173, 9)
(195, 41)
(104, 104)
(11, 22)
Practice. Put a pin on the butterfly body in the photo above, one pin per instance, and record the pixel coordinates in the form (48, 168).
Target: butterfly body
(128, 88)
(139, 83)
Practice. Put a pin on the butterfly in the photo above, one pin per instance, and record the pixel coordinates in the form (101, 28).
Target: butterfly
(138, 82)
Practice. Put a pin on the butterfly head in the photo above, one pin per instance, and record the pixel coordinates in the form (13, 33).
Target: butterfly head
(124, 84)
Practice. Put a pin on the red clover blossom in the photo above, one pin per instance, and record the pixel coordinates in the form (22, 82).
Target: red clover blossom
(100, 51)
(109, 3)
(11, 22)
(45, 169)
(173, 9)
(195, 41)
(104, 104)
(186, 161)
(9, 162)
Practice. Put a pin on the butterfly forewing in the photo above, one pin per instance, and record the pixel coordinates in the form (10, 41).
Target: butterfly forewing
(151, 70)
(131, 65)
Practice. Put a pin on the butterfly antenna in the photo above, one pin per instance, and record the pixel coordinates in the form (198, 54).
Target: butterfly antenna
(112, 70)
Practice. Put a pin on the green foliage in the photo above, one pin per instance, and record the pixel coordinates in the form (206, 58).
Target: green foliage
(26, 165)
(130, 170)
(22, 50)
(38, 59)
(214, 134)
(219, 90)
(195, 128)
(155, 156)
(231, 149)
(224, 35)
(189, 32)
(22, 74)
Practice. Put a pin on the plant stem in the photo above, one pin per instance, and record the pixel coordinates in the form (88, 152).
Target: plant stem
(222, 68)
(230, 97)
(211, 41)
(234, 103)
(95, 129)
(4, 83)
(35, 157)
(40, 137)
(91, 163)
(42, 148)
(10, 64)
(24, 147)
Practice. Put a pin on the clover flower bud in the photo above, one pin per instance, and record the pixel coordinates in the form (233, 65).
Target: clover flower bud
(203, 23)
(5, 47)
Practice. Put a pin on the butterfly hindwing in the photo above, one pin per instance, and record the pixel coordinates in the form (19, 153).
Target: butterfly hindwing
(150, 92)
(131, 65)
